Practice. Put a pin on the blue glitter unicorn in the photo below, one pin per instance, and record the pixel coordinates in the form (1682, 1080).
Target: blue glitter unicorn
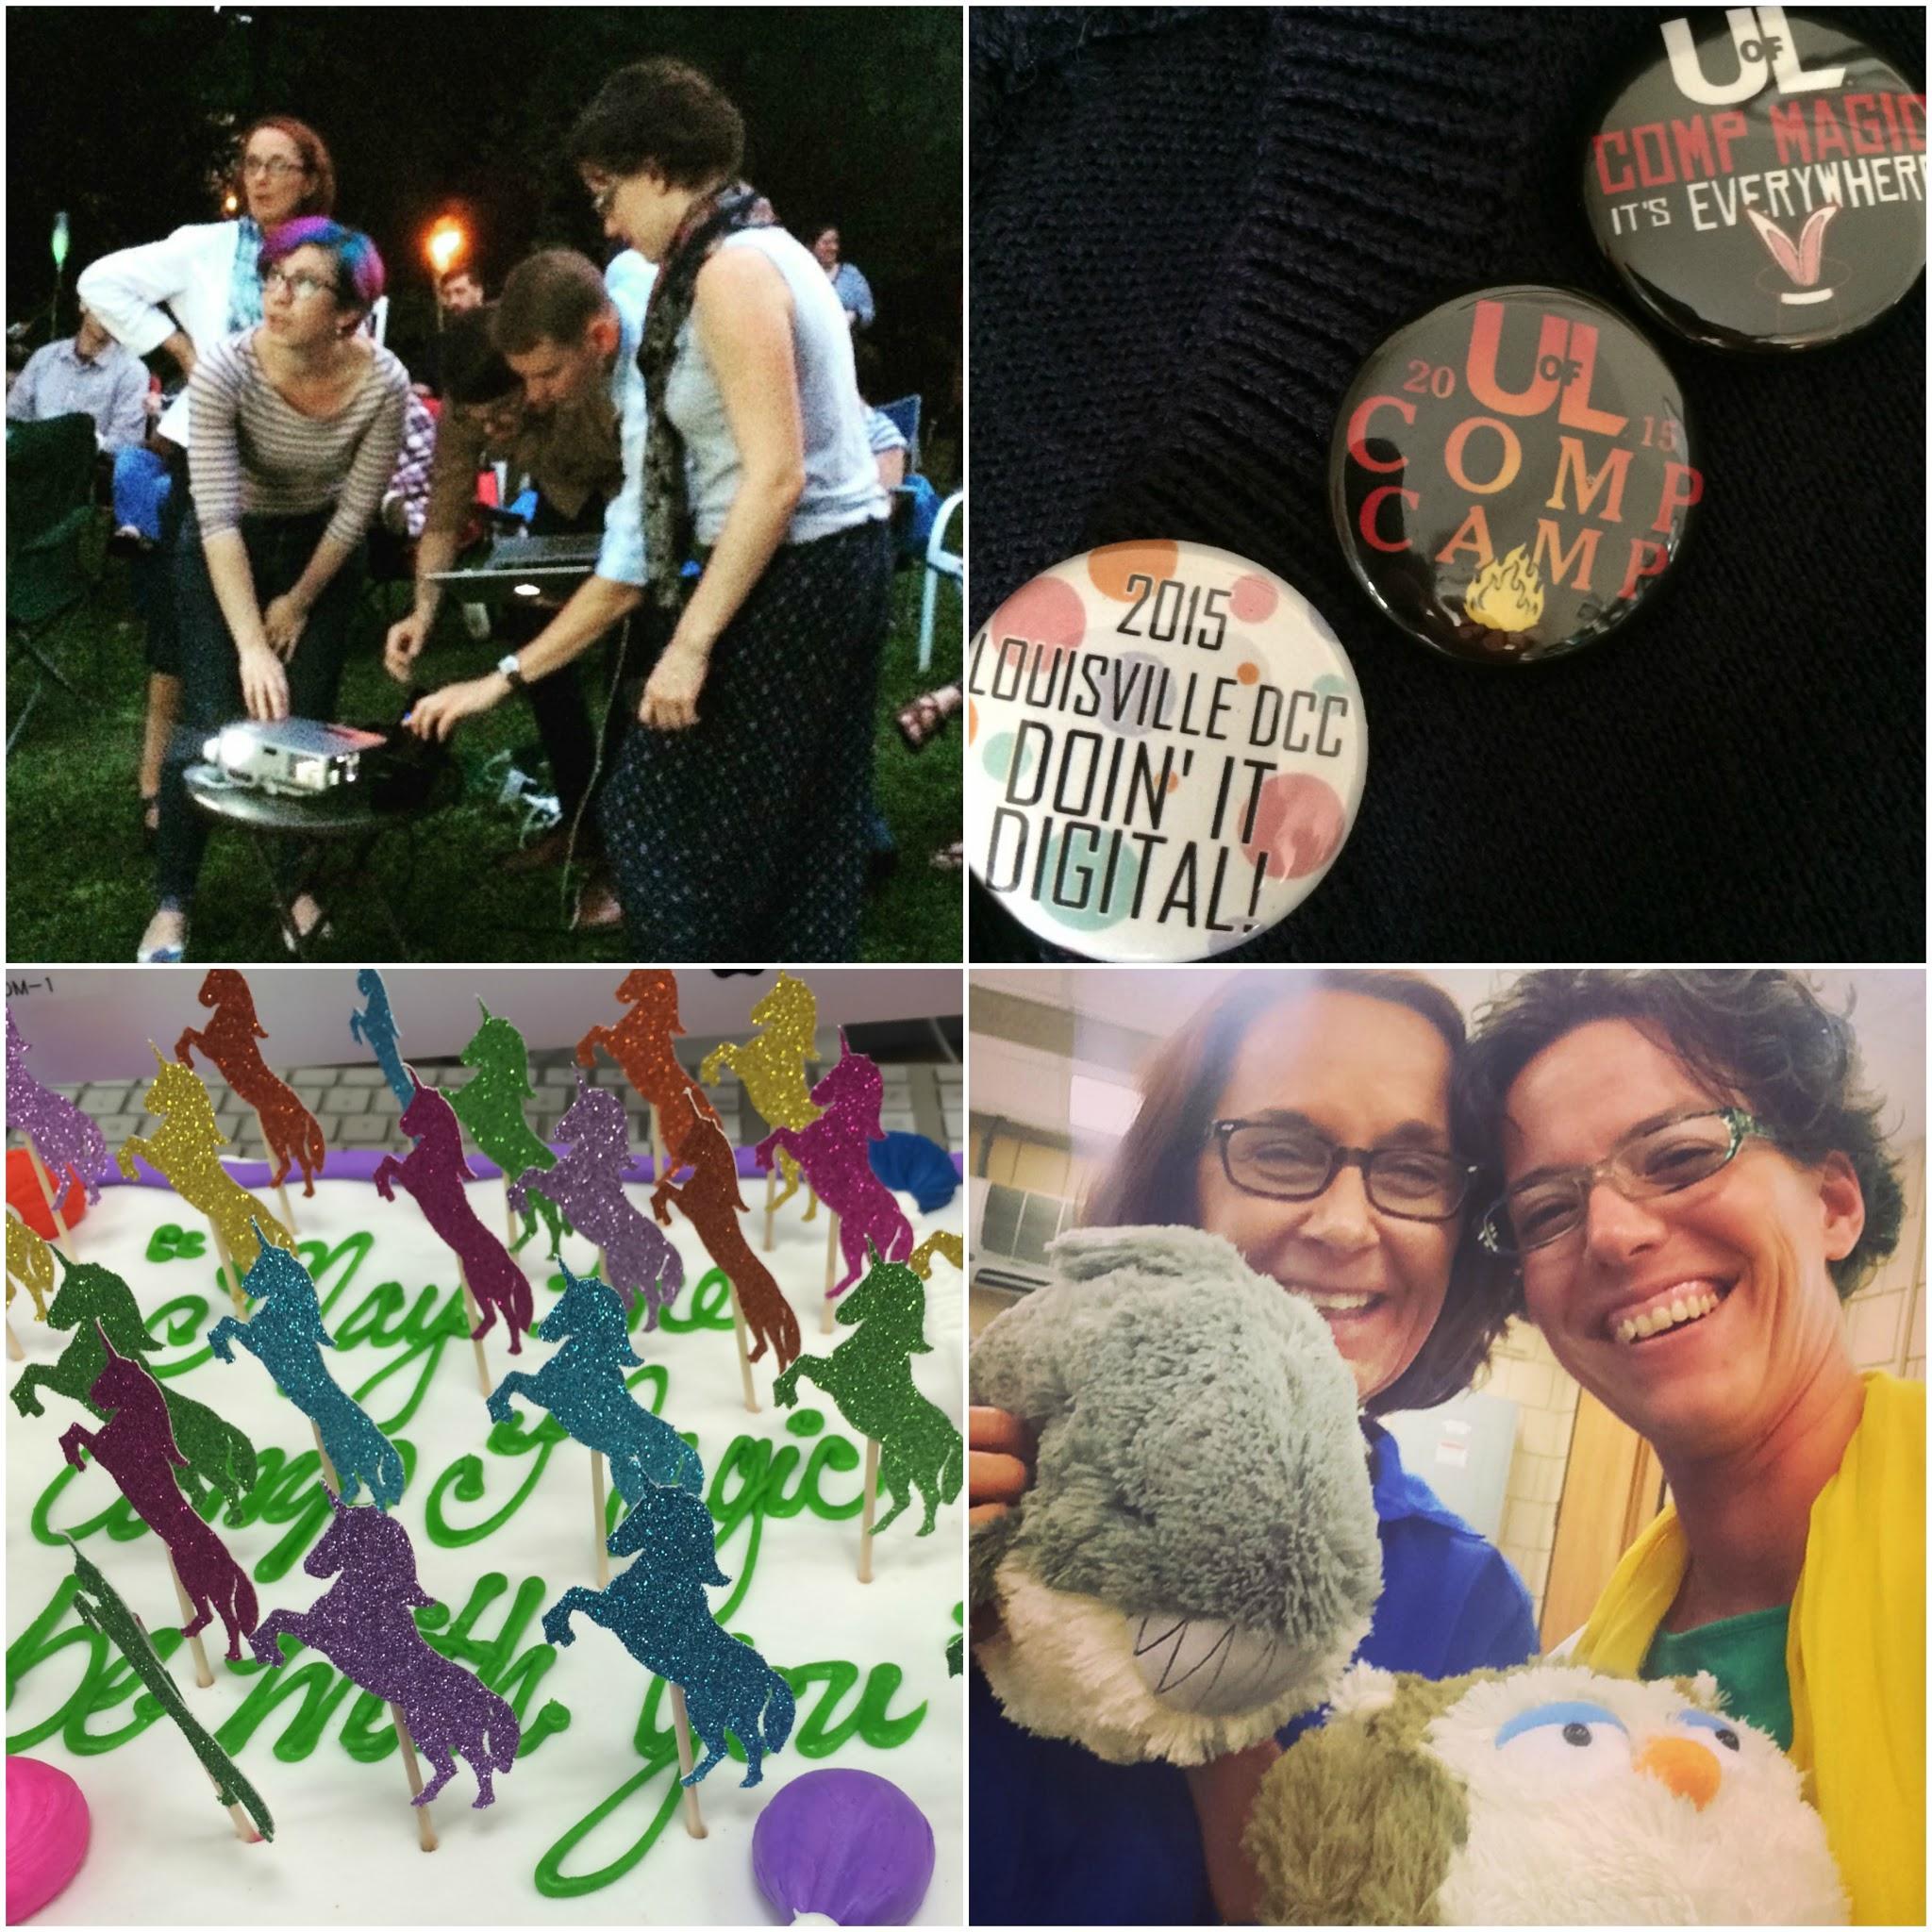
(377, 1029)
(582, 1385)
(286, 1338)
(657, 1611)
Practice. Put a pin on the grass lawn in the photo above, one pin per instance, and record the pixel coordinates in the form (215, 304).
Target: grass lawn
(78, 878)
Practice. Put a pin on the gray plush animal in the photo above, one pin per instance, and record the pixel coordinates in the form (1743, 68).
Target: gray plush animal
(1197, 1557)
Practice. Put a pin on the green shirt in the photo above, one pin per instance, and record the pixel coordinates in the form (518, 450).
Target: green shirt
(1746, 1655)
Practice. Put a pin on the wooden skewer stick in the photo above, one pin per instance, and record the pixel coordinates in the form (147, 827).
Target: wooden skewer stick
(771, 1203)
(244, 1825)
(872, 1504)
(203, 1675)
(510, 1217)
(693, 1818)
(14, 1350)
(658, 1170)
(475, 1340)
(60, 1231)
(229, 1273)
(598, 1518)
(751, 1398)
(328, 1468)
(425, 1825)
(831, 1273)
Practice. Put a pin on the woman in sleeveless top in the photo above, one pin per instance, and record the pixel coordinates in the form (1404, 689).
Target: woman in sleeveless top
(735, 817)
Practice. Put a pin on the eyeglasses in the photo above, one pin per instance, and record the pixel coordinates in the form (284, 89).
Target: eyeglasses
(300, 286)
(275, 168)
(1282, 1161)
(1660, 1160)
(602, 197)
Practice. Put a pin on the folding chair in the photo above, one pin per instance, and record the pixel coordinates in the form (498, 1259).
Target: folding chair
(50, 510)
(939, 562)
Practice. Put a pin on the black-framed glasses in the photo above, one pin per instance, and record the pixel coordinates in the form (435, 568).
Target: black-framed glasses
(276, 168)
(1656, 1159)
(1283, 1160)
(300, 286)
(602, 197)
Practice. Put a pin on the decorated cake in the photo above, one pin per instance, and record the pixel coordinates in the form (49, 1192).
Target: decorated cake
(378, 1492)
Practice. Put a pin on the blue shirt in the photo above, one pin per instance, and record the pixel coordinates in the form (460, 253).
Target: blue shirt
(620, 558)
(1061, 1838)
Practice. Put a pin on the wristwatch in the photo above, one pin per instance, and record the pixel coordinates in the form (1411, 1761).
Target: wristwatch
(511, 670)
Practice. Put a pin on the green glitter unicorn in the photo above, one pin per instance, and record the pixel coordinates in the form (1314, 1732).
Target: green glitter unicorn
(492, 1108)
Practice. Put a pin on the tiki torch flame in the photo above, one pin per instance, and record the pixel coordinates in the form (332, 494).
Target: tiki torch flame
(1505, 595)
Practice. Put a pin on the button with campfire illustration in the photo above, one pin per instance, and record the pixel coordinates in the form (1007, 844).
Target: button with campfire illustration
(1165, 748)
(1512, 476)
(1758, 179)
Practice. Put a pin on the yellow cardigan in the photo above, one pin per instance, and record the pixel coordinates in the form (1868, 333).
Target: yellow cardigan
(1856, 1655)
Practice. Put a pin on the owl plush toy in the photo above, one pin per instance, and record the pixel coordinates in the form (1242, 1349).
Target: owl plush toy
(1545, 1795)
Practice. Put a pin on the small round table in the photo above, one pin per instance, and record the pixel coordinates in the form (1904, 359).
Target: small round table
(346, 817)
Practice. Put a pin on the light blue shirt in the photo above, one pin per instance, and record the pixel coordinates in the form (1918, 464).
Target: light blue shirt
(621, 559)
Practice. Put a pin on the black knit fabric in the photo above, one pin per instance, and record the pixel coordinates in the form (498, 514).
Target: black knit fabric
(1190, 227)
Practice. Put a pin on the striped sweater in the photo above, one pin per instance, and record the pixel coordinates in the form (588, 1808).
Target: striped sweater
(253, 452)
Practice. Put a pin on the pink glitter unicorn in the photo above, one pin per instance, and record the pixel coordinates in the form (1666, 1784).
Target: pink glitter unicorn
(835, 1153)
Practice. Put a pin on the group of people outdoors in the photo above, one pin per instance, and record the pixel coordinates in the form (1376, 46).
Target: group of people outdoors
(693, 404)
(1678, 1178)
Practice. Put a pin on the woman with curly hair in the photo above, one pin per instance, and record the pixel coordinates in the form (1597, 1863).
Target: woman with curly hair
(1691, 1180)
(1303, 1117)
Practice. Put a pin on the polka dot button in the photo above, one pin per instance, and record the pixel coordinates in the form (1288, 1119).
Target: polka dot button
(1165, 751)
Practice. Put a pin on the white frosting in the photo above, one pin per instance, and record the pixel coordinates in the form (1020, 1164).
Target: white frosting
(345, 1849)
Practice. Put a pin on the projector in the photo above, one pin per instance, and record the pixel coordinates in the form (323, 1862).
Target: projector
(299, 758)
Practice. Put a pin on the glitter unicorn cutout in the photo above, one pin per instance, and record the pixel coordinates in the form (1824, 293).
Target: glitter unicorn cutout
(100, 1310)
(869, 1376)
(434, 1171)
(640, 1044)
(137, 1449)
(30, 1262)
(492, 1108)
(363, 1624)
(835, 1152)
(588, 1184)
(62, 1135)
(771, 1066)
(182, 1152)
(657, 1610)
(710, 1200)
(291, 1132)
(376, 1028)
(286, 1338)
(583, 1386)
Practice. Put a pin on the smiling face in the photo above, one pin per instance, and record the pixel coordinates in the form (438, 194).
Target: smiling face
(274, 177)
(1364, 1072)
(825, 246)
(1616, 1298)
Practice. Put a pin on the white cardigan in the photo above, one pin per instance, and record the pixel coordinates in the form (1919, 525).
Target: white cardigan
(191, 271)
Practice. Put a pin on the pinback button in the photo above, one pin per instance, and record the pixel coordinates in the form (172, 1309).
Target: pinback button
(1165, 749)
(1758, 179)
(1512, 476)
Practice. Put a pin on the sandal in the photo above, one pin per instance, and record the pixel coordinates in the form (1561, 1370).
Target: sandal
(294, 938)
(925, 717)
(949, 858)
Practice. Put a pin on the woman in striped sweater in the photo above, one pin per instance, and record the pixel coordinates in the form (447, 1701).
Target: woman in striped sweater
(295, 431)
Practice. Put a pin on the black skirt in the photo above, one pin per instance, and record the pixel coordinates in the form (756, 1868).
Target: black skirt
(743, 837)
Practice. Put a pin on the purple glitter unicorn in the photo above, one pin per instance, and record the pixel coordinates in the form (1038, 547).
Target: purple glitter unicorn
(836, 1156)
(137, 1449)
(64, 1137)
(587, 1185)
(362, 1623)
(435, 1172)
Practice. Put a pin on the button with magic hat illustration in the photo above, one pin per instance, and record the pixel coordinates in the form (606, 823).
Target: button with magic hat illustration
(1513, 476)
(1757, 179)
(1165, 751)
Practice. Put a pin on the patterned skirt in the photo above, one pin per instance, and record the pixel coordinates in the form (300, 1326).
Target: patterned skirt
(743, 837)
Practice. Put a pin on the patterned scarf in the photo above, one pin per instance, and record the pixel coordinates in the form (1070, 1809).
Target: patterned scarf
(244, 281)
(667, 505)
